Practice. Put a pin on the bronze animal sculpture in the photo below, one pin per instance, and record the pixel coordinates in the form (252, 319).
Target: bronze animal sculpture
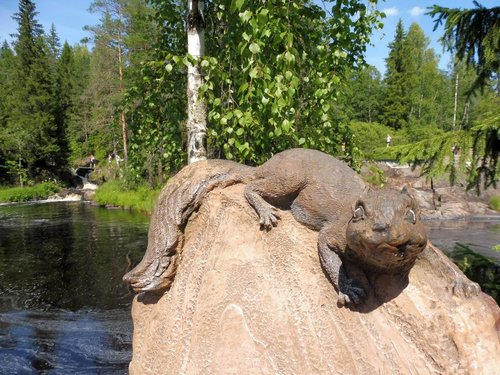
(360, 230)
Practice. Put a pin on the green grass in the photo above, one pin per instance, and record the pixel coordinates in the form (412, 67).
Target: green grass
(495, 202)
(478, 268)
(29, 193)
(114, 193)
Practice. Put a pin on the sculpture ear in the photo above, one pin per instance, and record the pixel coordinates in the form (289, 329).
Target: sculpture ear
(406, 190)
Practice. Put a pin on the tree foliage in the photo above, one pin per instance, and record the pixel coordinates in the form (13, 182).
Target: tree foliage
(474, 36)
(277, 75)
(30, 136)
(273, 72)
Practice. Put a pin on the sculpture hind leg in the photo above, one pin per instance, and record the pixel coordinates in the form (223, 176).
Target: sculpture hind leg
(157, 268)
(182, 195)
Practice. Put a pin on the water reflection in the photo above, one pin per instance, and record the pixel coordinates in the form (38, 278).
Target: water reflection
(480, 235)
(63, 307)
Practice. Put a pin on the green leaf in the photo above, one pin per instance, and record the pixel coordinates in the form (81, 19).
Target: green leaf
(254, 48)
(237, 4)
(245, 16)
(239, 131)
(168, 67)
(253, 73)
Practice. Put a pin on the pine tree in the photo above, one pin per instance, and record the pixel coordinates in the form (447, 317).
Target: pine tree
(474, 36)
(33, 101)
(78, 113)
(365, 94)
(113, 30)
(396, 109)
(6, 80)
(427, 87)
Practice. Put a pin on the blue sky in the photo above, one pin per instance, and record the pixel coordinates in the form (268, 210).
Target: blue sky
(412, 11)
(69, 17)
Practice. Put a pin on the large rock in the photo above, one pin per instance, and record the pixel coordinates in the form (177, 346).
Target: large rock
(246, 301)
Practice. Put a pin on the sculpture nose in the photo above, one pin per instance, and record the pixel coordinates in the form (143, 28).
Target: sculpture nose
(380, 227)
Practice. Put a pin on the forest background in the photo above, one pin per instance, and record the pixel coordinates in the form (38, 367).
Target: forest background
(277, 75)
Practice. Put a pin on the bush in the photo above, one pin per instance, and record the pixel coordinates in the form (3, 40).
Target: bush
(116, 193)
(495, 202)
(478, 268)
(370, 138)
(417, 131)
(375, 176)
(29, 193)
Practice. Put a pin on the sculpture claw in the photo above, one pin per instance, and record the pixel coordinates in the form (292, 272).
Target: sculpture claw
(465, 288)
(269, 219)
(351, 294)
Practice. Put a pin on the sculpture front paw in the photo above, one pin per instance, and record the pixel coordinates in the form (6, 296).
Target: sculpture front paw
(350, 293)
(465, 288)
(268, 217)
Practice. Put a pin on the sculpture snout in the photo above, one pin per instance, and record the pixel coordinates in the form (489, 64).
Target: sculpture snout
(380, 227)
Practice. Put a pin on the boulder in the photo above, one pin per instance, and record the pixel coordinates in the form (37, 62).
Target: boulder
(247, 301)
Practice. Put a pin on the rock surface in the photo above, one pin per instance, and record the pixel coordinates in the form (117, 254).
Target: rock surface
(246, 301)
(440, 200)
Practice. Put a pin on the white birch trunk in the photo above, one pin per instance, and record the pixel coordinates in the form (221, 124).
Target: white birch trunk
(456, 101)
(196, 108)
(122, 90)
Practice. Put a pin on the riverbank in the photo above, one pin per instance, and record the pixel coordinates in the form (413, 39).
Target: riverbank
(115, 194)
(436, 198)
(28, 193)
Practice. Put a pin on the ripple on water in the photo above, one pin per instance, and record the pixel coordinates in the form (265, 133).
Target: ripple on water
(63, 306)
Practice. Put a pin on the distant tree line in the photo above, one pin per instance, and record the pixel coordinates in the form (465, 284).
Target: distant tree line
(275, 75)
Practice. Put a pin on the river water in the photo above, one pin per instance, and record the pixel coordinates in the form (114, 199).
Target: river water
(63, 307)
(480, 234)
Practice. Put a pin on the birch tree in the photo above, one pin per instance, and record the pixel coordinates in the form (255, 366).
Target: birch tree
(196, 109)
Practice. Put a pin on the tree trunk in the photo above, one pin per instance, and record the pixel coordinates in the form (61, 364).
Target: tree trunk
(196, 108)
(456, 102)
(122, 114)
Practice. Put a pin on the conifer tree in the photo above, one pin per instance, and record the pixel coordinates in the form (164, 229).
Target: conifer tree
(396, 108)
(33, 102)
(474, 36)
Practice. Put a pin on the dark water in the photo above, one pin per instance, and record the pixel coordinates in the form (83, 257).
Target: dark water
(63, 307)
(480, 235)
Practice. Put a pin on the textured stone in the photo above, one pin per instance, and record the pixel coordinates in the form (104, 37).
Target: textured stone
(246, 301)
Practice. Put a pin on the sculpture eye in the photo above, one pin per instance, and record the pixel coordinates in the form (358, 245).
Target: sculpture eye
(411, 217)
(359, 213)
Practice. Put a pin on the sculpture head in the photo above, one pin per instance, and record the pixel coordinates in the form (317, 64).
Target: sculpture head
(385, 233)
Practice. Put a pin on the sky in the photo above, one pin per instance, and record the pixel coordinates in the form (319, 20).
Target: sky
(70, 16)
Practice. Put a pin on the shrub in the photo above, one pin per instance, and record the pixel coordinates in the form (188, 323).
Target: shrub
(495, 202)
(116, 193)
(375, 176)
(371, 139)
(29, 193)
